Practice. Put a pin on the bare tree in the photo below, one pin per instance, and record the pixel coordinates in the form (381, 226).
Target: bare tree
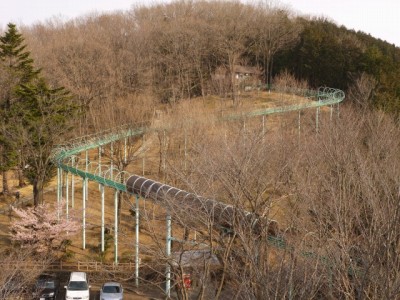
(238, 168)
(334, 196)
(233, 30)
(19, 271)
(276, 30)
(362, 91)
(347, 183)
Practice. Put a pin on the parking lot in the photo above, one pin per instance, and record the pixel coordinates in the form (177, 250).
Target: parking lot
(95, 294)
(95, 283)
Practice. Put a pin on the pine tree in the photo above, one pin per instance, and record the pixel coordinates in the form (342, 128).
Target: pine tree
(16, 68)
(16, 62)
(34, 115)
(41, 118)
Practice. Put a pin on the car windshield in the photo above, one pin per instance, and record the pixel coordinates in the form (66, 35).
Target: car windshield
(49, 285)
(46, 284)
(77, 286)
(111, 289)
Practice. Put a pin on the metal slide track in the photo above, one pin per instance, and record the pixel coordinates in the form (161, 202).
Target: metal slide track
(66, 156)
(323, 97)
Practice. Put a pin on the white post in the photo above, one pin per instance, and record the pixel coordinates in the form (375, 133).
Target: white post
(84, 183)
(99, 161)
(67, 195)
(61, 184)
(73, 184)
(137, 242)
(111, 160)
(144, 155)
(185, 150)
(102, 217)
(116, 226)
(168, 254)
(164, 153)
(58, 192)
(85, 198)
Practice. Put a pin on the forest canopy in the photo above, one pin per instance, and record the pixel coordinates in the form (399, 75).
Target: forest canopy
(170, 52)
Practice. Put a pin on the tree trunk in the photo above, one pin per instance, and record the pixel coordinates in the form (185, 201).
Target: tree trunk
(37, 192)
(5, 183)
(21, 179)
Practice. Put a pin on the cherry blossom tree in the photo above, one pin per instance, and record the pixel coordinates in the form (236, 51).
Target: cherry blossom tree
(41, 228)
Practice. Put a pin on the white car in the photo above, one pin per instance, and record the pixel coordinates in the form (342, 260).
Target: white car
(78, 287)
(111, 291)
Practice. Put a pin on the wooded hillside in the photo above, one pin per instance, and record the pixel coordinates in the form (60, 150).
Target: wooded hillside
(169, 52)
(332, 189)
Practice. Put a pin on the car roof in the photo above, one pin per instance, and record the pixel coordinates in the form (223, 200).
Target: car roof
(111, 283)
(46, 278)
(78, 276)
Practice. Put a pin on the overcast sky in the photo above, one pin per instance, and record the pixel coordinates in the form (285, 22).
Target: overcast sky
(378, 18)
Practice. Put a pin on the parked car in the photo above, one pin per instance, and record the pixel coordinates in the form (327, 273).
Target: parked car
(46, 288)
(78, 287)
(111, 291)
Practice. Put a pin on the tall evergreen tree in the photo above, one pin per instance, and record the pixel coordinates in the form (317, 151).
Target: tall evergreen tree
(16, 63)
(41, 118)
(34, 116)
(16, 68)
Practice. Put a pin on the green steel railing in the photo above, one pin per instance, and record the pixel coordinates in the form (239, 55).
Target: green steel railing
(323, 97)
(92, 142)
(93, 177)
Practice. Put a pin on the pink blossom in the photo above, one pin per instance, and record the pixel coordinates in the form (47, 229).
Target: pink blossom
(41, 229)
